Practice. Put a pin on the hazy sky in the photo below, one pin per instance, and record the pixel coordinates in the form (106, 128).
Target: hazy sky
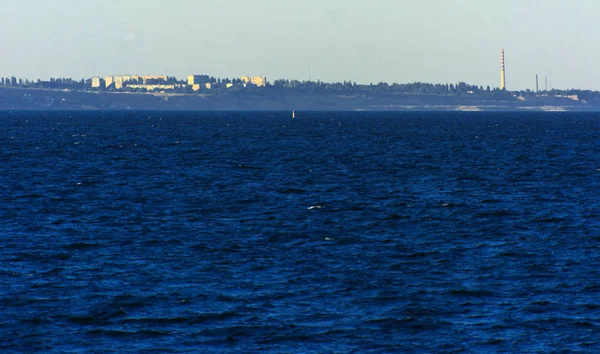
(360, 40)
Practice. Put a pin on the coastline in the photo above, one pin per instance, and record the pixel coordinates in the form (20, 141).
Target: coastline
(277, 100)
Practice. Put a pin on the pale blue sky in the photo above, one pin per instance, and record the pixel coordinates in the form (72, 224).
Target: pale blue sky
(360, 40)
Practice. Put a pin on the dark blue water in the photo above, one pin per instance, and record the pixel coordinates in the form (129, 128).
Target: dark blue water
(332, 232)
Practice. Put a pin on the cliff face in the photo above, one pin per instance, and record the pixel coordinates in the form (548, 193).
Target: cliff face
(272, 99)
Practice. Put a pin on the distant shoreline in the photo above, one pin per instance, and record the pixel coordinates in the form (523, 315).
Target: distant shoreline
(277, 100)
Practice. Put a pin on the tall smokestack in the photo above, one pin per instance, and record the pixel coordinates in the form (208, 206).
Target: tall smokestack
(537, 84)
(502, 71)
(546, 82)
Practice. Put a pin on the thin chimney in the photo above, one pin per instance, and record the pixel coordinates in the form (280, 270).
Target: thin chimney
(502, 71)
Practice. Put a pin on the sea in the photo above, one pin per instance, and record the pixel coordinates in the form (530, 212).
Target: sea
(333, 232)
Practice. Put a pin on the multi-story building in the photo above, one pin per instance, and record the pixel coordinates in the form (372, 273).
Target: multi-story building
(197, 87)
(198, 79)
(108, 81)
(118, 82)
(96, 82)
(156, 78)
(152, 87)
(259, 81)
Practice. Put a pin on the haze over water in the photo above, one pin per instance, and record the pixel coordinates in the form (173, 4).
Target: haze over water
(331, 232)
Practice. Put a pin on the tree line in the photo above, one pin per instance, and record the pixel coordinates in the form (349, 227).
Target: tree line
(343, 87)
(53, 83)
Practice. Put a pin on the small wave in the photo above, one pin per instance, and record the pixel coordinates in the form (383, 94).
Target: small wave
(283, 338)
(121, 333)
(490, 201)
(29, 196)
(548, 220)
(395, 216)
(96, 318)
(58, 222)
(27, 257)
(469, 178)
(541, 302)
(292, 191)
(53, 272)
(158, 320)
(584, 324)
(408, 322)
(423, 254)
(591, 288)
(471, 292)
(35, 321)
(493, 341)
(513, 254)
(591, 306)
(247, 167)
(200, 247)
(494, 213)
(162, 241)
(81, 246)
(111, 146)
(10, 273)
(452, 205)
(385, 321)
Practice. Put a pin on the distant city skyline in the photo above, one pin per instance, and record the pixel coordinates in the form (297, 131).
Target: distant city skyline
(437, 41)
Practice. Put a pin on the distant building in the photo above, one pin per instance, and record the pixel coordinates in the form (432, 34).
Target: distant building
(196, 87)
(259, 81)
(118, 82)
(571, 97)
(95, 82)
(228, 85)
(157, 78)
(152, 87)
(108, 81)
(198, 79)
